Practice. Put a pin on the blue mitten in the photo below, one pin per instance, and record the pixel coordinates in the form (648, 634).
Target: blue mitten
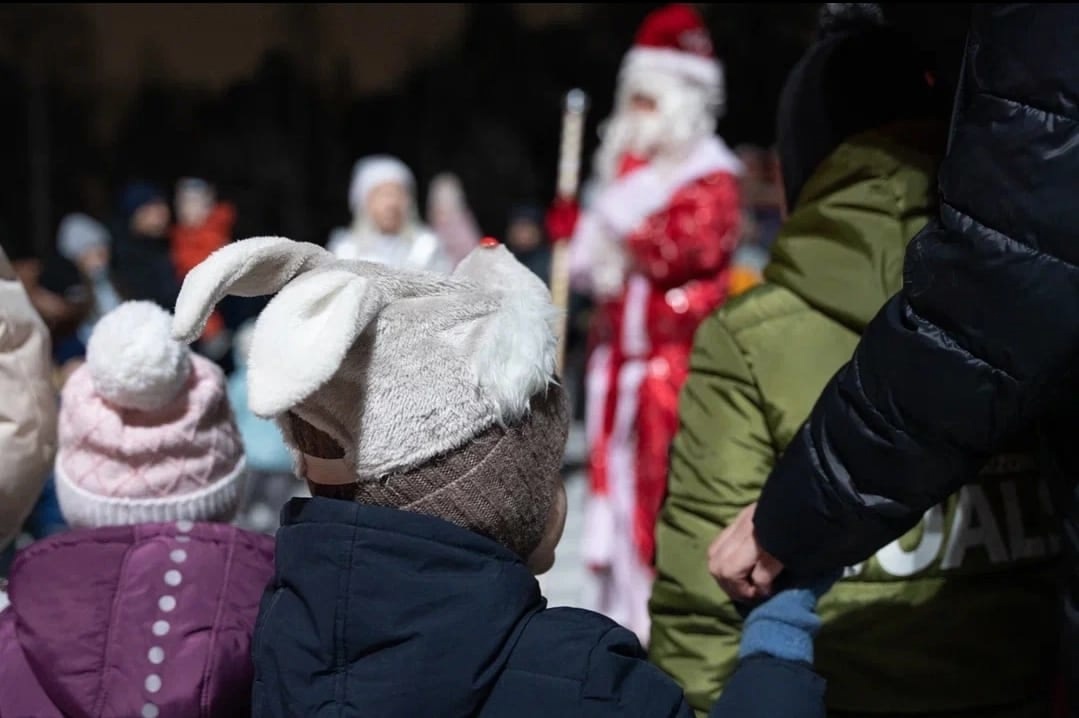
(784, 626)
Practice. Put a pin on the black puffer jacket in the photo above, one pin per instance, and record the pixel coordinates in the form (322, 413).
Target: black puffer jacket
(982, 343)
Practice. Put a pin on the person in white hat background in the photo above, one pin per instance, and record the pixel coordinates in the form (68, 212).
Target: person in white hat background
(385, 224)
(451, 218)
(653, 249)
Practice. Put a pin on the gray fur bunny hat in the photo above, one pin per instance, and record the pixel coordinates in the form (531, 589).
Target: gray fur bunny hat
(419, 391)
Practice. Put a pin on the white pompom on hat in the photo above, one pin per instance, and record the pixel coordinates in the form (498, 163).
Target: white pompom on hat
(370, 172)
(146, 430)
(133, 358)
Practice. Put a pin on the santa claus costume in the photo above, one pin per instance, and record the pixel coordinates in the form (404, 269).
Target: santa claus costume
(653, 248)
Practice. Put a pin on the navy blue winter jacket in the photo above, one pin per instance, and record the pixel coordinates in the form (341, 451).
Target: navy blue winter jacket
(382, 613)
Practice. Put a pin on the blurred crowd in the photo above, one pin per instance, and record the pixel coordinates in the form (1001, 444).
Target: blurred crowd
(158, 234)
(404, 375)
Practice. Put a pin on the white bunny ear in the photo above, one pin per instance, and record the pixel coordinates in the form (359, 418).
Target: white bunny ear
(514, 358)
(304, 334)
(248, 268)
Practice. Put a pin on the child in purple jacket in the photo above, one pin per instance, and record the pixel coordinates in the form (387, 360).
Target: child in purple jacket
(147, 608)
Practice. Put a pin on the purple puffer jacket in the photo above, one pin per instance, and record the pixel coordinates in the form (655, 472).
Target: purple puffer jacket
(137, 621)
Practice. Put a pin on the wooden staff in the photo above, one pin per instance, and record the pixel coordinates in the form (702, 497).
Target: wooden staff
(569, 176)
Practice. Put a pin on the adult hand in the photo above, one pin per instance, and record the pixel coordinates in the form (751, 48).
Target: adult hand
(738, 563)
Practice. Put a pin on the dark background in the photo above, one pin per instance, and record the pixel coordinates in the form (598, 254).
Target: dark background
(94, 96)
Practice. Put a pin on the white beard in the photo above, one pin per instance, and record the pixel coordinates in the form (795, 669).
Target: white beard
(683, 116)
(640, 134)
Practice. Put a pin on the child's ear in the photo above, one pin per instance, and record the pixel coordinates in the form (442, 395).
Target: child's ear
(249, 268)
(304, 334)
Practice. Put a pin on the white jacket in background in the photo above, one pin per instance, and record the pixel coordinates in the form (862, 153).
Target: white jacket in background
(418, 248)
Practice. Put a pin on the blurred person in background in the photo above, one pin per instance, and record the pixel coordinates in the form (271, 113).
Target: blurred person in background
(27, 409)
(385, 226)
(653, 251)
(57, 293)
(760, 218)
(762, 188)
(141, 266)
(269, 462)
(84, 242)
(203, 225)
(450, 217)
(527, 239)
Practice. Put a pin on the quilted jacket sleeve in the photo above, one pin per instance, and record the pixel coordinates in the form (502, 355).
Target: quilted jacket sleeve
(984, 335)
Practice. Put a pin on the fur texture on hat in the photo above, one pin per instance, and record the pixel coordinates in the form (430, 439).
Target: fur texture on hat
(396, 367)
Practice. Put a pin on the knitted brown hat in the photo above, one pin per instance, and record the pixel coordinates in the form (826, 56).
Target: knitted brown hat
(501, 484)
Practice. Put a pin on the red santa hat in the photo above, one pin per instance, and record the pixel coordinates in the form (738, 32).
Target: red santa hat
(674, 39)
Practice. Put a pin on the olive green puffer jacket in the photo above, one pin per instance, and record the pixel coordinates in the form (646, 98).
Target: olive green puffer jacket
(905, 632)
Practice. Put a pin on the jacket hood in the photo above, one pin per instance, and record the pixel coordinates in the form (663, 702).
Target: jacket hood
(28, 414)
(386, 613)
(112, 620)
(842, 248)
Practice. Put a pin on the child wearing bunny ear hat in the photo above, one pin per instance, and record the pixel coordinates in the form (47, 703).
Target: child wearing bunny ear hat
(424, 413)
(384, 381)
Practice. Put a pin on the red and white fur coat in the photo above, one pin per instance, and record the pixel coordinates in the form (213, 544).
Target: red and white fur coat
(653, 248)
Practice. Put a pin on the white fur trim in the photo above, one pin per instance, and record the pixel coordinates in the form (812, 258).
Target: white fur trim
(84, 509)
(635, 317)
(134, 361)
(599, 532)
(597, 542)
(597, 384)
(702, 70)
(628, 201)
(613, 513)
(597, 262)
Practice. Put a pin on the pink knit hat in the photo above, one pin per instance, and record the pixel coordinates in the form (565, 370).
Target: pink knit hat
(146, 430)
